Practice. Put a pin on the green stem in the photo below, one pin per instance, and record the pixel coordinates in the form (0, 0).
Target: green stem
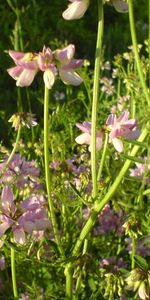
(13, 274)
(47, 170)
(149, 36)
(68, 274)
(96, 95)
(133, 253)
(12, 152)
(103, 157)
(98, 205)
(135, 49)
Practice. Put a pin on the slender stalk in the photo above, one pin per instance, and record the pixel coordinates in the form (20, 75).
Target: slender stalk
(96, 95)
(98, 205)
(12, 152)
(13, 273)
(135, 49)
(149, 36)
(69, 273)
(47, 170)
(103, 157)
(133, 253)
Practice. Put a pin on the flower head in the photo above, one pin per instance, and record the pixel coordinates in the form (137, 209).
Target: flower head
(85, 138)
(22, 119)
(26, 67)
(76, 9)
(46, 64)
(121, 127)
(120, 5)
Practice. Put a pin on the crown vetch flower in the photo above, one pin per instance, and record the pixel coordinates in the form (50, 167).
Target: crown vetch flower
(85, 138)
(76, 9)
(121, 127)
(26, 67)
(46, 64)
(119, 5)
(67, 65)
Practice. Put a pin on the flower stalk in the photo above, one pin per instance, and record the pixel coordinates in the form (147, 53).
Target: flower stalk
(103, 157)
(98, 56)
(13, 274)
(47, 170)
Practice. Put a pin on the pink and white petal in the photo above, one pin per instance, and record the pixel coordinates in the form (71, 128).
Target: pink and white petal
(133, 135)
(120, 6)
(74, 64)
(124, 117)
(70, 77)
(16, 55)
(42, 224)
(19, 236)
(99, 143)
(65, 55)
(118, 145)
(6, 223)
(49, 78)
(76, 10)
(84, 138)
(85, 127)
(111, 120)
(15, 72)
(7, 194)
(28, 226)
(26, 78)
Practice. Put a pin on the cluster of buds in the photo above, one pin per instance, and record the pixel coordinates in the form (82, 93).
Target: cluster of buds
(77, 8)
(139, 280)
(48, 61)
(30, 215)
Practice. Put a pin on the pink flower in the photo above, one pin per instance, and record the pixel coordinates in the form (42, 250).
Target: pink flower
(121, 127)
(46, 64)
(141, 170)
(85, 138)
(26, 67)
(76, 9)
(67, 65)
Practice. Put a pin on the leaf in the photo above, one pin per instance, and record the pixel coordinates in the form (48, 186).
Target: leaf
(141, 262)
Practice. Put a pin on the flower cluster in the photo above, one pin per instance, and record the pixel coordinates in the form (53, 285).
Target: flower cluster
(30, 215)
(51, 63)
(141, 171)
(21, 173)
(117, 127)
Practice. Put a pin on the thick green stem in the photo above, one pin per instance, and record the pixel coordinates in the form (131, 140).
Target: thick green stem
(47, 170)
(133, 253)
(99, 204)
(96, 95)
(69, 274)
(13, 274)
(103, 157)
(135, 49)
(12, 153)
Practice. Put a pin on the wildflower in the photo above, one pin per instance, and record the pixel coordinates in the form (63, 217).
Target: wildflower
(26, 67)
(67, 65)
(107, 86)
(112, 264)
(141, 171)
(30, 215)
(76, 9)
(138, 280)
(46, 64)
(85, 138)
(22, 119)
(121, 127)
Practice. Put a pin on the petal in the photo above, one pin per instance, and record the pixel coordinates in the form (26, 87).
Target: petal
(26, 77)
(111, 120)
(19, 236)
(49, 78)
(118, 145)
(76, 10)
(16, 55)
(85, 127)
(120, 6)
(15, 72)
(84, 138)
(7, 194)
(74, 64)
(124, 117)
(65, 55)
(70, 77)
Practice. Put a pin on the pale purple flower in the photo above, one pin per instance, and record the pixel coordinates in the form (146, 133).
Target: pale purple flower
(21, 173)
(26, 67)
(120, 5)
(67, 65)
(141, 170)
(121, 127)
(107, 86)
(112, 264)
(85, 138)
(76, 9)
